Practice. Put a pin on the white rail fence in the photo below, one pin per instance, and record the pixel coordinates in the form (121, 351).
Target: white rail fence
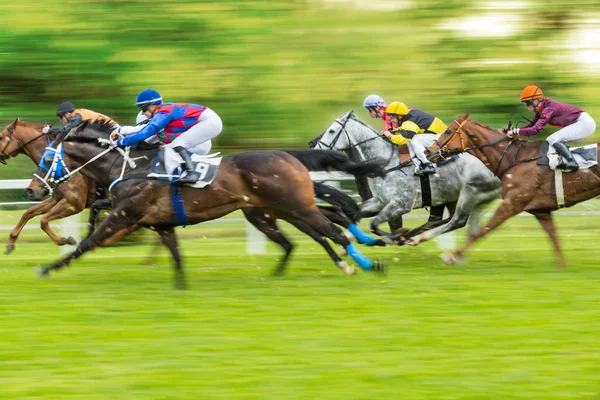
(255, 240)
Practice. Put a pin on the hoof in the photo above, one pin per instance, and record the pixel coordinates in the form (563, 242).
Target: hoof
(180, 283)
(42, 272)
(9, 249)
(380, 266)
(380, 242)
(348, 269)
(71, 240)
(451, 258)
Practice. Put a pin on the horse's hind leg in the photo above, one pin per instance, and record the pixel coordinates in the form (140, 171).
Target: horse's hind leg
(319, 228)
(267, 224)
(32, 212)
(545, 219)
(169, 239)
(97, 206)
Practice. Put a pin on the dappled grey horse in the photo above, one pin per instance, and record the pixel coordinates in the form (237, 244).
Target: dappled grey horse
(465, 180)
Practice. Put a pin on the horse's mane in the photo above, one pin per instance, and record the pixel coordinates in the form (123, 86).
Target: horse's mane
(352, 115)
(33, 125)
(100, 126)
(496, 132)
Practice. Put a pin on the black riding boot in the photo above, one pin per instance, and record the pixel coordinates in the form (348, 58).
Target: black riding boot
(568, 159)
(190, 167)
(425, 169)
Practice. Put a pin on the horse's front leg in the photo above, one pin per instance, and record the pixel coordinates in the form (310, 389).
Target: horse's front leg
(371, 207)
(117, 220)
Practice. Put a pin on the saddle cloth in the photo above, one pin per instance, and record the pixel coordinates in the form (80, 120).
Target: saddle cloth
(586, 156)
(169, 166)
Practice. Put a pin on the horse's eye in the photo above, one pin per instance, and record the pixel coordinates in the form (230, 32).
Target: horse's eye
(331, 131)
(447, 132)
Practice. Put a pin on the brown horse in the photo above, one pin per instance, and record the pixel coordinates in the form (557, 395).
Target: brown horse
(526, 186)
(276, 183)
(27, 138)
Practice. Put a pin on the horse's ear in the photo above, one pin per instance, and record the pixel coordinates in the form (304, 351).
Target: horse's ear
(17, 120)
(465, 117)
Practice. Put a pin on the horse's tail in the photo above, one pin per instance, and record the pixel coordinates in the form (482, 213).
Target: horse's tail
(331, 160)
(337, 199)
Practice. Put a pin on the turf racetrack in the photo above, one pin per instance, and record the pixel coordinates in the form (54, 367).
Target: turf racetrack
(505, 325)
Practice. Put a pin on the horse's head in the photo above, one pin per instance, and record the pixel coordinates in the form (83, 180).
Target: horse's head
(54, 168)
(453, 141)
(18, 137)
(344, 134)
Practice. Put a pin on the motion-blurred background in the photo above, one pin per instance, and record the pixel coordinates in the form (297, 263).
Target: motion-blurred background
(279, 72)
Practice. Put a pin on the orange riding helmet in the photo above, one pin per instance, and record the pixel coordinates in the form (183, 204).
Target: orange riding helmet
(531, 92)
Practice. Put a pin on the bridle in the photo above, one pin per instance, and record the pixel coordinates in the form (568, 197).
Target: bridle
(11, 130)
(355, 146)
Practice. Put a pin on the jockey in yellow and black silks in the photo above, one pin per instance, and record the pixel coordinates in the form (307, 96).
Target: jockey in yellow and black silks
(411, 124)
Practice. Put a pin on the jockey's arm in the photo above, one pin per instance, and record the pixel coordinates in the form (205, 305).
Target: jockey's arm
(156, 124)
(538, 124)
(73, 122)
(405, 133)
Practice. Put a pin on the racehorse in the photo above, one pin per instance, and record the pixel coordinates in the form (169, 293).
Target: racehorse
(464, 181)
(275, 182)
(22, 137)
(526, 186)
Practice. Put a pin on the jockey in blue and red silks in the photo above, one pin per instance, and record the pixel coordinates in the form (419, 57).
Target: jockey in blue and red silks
(186, 128)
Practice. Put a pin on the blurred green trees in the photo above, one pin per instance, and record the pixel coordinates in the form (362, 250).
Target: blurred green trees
(278, 72)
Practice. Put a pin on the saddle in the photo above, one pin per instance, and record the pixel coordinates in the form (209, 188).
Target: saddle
(169, 166)
(586, 156)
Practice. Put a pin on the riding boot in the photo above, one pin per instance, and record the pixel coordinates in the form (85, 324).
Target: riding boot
(568, 161)
(192, 175)
(425, 169)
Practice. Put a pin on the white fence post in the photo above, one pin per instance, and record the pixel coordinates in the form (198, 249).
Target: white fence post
(255, 240)
(70, 227)
(447, 241)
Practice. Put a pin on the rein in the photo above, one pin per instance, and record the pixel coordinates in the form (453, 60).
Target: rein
(444, 149)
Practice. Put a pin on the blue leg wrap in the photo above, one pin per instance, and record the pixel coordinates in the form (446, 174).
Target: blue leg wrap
(361, 236)
(361, 260)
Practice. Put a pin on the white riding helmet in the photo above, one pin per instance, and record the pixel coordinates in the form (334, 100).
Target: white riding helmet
(373, 100)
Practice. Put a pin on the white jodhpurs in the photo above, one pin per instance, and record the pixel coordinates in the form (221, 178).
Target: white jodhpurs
(582, 128)
(197, 139)
(418, 144)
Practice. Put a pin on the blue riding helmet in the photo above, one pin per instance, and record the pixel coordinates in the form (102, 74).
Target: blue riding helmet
(148, 97)
(373, 100)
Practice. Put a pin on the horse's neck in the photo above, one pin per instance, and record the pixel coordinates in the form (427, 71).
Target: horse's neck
(108, 167)
(498, 153)
(370, 146)
(31, 141)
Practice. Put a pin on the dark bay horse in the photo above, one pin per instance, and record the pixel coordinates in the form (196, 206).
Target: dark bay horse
(79, 192)
(270, 184)
(22, 137)
(525, 185)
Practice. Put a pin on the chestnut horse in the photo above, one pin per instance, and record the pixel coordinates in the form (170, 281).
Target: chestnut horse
(526, 186)
(22, 137)
(277, 183)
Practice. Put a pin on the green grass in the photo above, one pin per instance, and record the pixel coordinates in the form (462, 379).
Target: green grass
(505, 325)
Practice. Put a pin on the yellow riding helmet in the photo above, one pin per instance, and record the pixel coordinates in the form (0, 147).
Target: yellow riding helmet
(397, 108)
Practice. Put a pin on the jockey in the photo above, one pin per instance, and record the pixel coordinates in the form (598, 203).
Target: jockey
(575, 123)
(71, 117)
(410, 123)
(187, 128)
(375, 105)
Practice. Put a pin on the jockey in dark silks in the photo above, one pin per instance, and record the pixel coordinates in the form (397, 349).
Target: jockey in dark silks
(71, 117)
(185, 127)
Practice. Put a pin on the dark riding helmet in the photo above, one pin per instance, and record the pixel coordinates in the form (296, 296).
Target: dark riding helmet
(64, 108)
